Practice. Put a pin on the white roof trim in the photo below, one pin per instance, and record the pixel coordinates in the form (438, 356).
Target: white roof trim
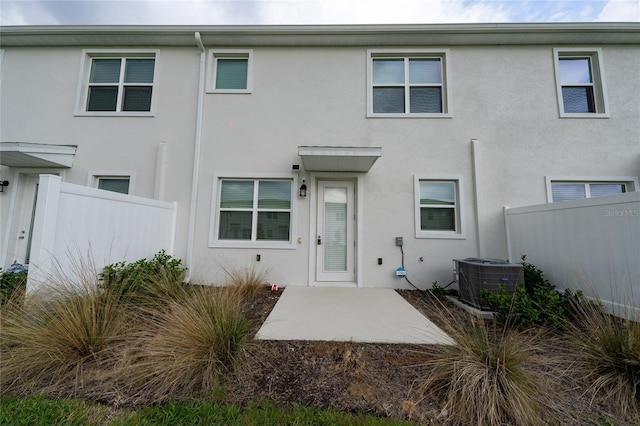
(24, 154)
(338, 158)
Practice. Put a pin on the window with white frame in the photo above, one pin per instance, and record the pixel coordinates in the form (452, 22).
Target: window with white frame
(117, 83)
(580, 83)
(114, 183)
(254, 210)
(231, 71)
(566, 189)
(438, 207)
(407, 84)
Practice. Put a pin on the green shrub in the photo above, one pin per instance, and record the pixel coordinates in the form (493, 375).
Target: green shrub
(144, 280)
(437, 290)
(534, 302)
(12, 284)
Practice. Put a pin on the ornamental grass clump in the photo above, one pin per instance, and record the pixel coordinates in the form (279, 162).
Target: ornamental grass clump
(247, 280)
(189, 346)
(482, 379)
(608, 355)
(56, 333)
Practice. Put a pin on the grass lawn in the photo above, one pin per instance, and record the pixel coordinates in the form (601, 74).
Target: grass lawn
(41, 411)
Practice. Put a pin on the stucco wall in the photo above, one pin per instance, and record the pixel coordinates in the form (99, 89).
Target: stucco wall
(503, 96)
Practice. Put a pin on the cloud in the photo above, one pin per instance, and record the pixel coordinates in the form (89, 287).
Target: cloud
(620, 11)
(249, 12)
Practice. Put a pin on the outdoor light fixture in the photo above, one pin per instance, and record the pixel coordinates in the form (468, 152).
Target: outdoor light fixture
(303, 189)
(6, 183)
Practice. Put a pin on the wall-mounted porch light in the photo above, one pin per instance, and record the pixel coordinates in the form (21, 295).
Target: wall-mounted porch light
(6, 183)
(303, 189)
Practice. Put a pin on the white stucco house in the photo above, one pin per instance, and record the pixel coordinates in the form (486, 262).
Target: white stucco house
(308, 150)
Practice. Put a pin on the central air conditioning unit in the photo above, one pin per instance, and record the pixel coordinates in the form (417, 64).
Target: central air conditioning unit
(477, 274)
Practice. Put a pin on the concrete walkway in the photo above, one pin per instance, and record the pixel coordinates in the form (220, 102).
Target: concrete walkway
(348, 314)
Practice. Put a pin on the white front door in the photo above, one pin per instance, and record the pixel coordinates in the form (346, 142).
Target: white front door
(335, 232)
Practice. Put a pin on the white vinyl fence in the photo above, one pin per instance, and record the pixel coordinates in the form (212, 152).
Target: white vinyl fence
(591, 245)
(77, 227)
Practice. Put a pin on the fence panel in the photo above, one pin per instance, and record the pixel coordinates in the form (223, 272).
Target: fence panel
(591, 245)
(77, 226)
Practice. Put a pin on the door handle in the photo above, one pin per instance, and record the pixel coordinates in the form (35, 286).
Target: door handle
(319, 240)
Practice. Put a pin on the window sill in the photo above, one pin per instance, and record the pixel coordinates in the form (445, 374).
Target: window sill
(388, 115)
(440, 235)
(114, 114)
(584, 115)
(286, 245)
(230, 91)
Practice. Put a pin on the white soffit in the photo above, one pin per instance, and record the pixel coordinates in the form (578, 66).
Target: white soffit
(338, 158)
(23, 154)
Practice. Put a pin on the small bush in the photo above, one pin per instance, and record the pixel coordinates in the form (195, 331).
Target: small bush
(190, 345)
(482, 379)
(145, 281)
(608, 355)
(12, 284)
(437, 290)
(535, 302)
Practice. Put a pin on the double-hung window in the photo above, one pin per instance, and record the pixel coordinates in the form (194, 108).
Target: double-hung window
(567, 188)
(408, 84)
(580, 83)
(231, 71)
(439, 207)
(117, 83)
(255, 211)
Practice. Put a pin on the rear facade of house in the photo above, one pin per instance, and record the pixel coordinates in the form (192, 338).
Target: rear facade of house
(323, 155)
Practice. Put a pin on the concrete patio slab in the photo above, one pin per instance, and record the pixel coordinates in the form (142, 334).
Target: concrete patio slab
(371, 315)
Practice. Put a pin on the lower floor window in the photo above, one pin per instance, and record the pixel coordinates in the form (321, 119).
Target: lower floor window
(114, 183)
(438, 208)
(254, 210)
(565, 191)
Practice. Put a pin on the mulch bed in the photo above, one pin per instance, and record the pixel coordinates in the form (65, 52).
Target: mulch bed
(380, 379)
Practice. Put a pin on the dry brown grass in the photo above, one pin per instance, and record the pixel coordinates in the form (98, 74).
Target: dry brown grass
(608, 356)
(483, 378)
(57, 333)
(189, 346)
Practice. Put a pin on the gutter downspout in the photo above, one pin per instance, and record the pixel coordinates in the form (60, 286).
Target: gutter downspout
(475, 153)
(196, 160)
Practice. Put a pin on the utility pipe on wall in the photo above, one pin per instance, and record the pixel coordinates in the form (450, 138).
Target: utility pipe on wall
(161, 171)
(475, 153)
(196, 159)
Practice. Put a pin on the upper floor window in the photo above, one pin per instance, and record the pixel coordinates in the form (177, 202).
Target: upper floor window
(407, 83)
(439, 207)
(117, 83)
(230, 71)
(567, 188)
(580, 83)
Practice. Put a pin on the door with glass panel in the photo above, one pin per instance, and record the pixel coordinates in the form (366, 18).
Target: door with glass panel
(335, 236)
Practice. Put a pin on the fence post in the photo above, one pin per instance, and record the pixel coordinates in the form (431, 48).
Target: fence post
(44, 231)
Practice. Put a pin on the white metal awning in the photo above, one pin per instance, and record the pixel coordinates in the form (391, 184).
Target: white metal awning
(338, 158)
(25, 154)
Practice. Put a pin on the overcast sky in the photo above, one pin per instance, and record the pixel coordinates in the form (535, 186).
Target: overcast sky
(241, 12)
